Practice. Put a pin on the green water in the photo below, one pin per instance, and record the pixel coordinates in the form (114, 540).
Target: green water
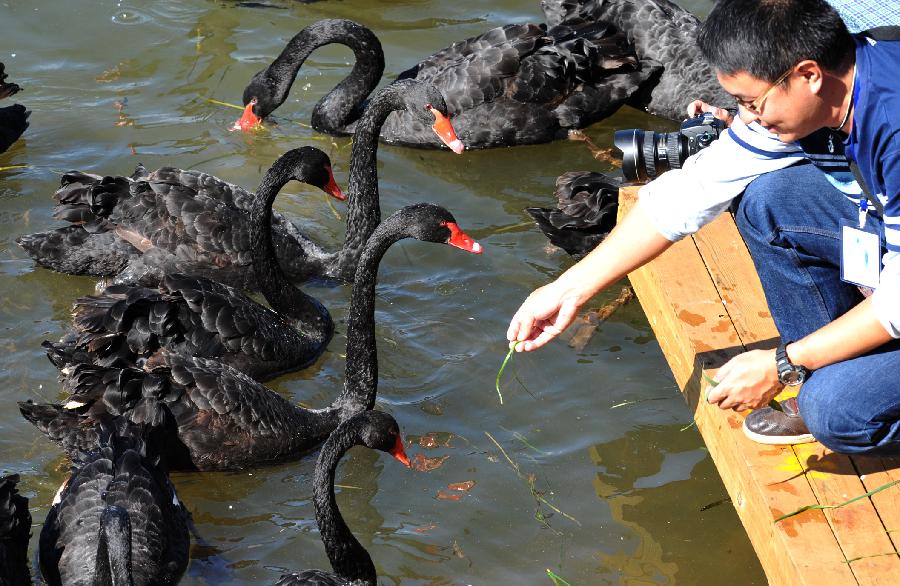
(596, 434)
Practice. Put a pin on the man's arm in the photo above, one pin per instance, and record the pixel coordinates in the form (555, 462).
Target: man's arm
(550, 309)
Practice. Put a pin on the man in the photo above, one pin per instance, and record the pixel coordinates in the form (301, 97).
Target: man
(794, 68)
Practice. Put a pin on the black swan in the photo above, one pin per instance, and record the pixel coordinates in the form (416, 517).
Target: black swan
(219, 418)
(585, 212)
(349, 559)
(127, 325)
(15, 528)
(116, 521)
(663, 35)
(515, 84)
(176, 221)
(13, 119)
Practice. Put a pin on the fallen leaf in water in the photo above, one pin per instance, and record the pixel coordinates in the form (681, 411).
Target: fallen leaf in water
(462, 486)
(457, 551)
(434, 439)
(446, 496)
(111, 74)
(423, 464)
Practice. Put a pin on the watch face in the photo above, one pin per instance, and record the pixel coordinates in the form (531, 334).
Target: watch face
(792, 377)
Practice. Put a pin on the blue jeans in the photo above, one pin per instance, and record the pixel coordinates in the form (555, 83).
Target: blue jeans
(790, 220)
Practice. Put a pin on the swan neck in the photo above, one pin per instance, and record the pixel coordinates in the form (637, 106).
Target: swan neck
(281, 294)
(364, 211)
(349, 558)
(343, 104)
(361, 379)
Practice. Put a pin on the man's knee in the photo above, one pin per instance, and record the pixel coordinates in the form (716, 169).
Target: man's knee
(837, 425)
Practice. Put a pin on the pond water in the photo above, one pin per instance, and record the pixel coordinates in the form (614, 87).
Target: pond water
(611, 488)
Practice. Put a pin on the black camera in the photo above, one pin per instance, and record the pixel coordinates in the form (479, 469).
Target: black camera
(647, 154)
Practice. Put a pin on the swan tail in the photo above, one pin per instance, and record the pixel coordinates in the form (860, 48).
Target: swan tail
(7, 89)
(124, 324)
(585, 213)
(66, 425)
(114, 547)
(15, 525)
(75, 251)
(13, 122)
(89, 200)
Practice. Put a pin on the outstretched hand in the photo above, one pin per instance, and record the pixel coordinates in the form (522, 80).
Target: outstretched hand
(543, 315)
(697, 107)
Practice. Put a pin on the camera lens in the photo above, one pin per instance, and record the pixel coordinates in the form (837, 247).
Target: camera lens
(647, 154)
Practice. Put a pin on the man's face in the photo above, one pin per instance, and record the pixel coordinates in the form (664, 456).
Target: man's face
(791, 109)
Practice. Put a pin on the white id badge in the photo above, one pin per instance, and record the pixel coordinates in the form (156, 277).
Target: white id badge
(860, 256)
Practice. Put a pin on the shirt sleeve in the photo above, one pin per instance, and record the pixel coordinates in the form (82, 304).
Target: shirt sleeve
(886, 299)
(681, 201)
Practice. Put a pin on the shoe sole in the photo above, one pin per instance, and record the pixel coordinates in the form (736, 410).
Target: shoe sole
(778, 440)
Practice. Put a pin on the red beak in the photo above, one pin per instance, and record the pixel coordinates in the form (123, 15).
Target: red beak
(399, 453)
(332, 189)
(460, 239)
(445, 132)
(248, 121)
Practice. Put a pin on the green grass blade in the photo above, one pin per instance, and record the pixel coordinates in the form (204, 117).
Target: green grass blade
(512, 348)
(853, 500)
(557, 581)
(217, 102)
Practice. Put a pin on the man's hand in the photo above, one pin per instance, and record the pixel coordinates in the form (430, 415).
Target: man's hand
(697, 107)
(544, 315)
(747, 381)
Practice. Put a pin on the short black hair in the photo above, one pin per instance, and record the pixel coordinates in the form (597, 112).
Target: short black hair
(765, 38)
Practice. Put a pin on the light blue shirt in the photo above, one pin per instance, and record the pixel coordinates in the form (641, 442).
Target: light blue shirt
(860, 15)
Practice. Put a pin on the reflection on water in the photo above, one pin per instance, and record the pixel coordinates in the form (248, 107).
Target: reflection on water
(587, 473)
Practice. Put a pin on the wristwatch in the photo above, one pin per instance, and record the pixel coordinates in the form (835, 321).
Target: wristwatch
(788, 373)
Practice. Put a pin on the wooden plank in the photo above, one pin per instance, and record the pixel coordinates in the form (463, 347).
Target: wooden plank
(875, 472)
(731, 268)
(696, 330)
(857, 526)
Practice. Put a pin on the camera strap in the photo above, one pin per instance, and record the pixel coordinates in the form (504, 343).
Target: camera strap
(884, 33)
(865, 189)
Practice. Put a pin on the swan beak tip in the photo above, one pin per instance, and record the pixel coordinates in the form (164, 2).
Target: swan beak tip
(445, 131)
(463, 241)
(332, 189)
(249, 120)
(400, 454)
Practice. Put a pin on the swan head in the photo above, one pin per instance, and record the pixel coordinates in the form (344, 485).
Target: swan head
(379, 431)
(426, 103)
(313, 166)
(430, 223)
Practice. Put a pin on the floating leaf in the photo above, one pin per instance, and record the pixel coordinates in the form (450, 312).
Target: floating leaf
(462, 486)
(421, 463)
(447, 496)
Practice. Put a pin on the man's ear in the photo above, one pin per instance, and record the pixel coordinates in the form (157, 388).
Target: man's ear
(811, 74)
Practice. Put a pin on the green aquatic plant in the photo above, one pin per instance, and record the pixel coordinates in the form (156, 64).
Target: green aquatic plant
(512, 348)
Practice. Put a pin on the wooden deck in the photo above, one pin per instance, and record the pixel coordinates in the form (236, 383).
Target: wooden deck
(705, 304)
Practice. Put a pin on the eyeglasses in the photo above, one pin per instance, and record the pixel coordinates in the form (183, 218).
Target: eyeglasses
(755, 106)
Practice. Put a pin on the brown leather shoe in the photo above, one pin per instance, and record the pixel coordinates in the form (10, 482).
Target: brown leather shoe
(770, 426)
